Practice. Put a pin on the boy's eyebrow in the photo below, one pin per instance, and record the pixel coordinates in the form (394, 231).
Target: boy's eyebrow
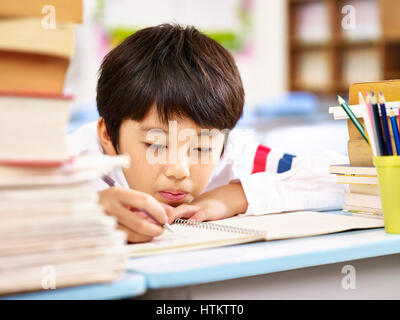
(209, 133)
(151, 128)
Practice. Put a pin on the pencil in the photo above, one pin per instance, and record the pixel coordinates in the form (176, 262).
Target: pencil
(352, 117)
(385, 124)
(381, 148)
(367, 116)
(110, 182)
(395, 130)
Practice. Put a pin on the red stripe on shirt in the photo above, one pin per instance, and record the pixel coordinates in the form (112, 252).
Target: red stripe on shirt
(260, 159)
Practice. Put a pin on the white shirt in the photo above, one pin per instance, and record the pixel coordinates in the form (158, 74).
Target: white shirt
(285, 183)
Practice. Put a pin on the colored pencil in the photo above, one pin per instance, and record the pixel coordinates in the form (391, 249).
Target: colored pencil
(381, 147)
(395, 130)
(352, 117)
(385, 124)
(367, 116)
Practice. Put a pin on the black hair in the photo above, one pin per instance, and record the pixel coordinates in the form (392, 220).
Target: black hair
(184, 72)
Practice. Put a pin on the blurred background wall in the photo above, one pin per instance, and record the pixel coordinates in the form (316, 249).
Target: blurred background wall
(294, 56)
(255, 31)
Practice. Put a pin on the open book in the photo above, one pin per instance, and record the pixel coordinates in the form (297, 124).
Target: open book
(243, 229)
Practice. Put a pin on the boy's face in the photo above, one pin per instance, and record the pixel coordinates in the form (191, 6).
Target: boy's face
(172, 162)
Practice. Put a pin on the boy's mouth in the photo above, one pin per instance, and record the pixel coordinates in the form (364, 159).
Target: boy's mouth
(173, 195)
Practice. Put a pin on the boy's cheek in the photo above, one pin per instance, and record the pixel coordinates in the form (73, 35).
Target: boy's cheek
(140, 179)
(200, 182)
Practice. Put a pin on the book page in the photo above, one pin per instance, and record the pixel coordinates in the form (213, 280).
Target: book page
(301, 223)
(187, 237)
(270, 227)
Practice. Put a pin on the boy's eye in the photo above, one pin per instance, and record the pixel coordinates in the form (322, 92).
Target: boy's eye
(155, 146)
(203, 149)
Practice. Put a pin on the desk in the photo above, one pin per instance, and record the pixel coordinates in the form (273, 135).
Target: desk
(305, 268)
(129, 285)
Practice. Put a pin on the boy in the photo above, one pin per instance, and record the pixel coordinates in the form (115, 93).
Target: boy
(168, 96)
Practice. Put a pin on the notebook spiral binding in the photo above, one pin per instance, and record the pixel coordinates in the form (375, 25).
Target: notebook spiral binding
(217, 227)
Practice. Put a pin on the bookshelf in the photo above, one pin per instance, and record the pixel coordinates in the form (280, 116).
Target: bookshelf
(325, 58)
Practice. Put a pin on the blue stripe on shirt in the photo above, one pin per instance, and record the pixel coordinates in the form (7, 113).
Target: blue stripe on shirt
(285, 163)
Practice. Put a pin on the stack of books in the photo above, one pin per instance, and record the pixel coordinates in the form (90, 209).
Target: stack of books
(363, 197)
(53, 233)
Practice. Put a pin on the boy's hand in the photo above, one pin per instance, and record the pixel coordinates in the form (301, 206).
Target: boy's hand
(220, 203)
(121, 203)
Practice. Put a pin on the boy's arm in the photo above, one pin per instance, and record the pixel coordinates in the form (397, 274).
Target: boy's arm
(268, 181)
(306, 185)
(222, 202)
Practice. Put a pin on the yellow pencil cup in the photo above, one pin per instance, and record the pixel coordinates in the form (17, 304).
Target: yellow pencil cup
(388, 169)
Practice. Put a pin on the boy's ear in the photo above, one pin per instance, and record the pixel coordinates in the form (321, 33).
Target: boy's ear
(104, 138)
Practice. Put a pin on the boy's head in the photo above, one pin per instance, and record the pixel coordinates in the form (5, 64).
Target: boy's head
(181, 83)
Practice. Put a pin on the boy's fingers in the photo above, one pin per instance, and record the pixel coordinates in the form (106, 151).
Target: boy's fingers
(170, 212)
(141, 200)
(167, 208)
(208, 215)
(132, 236)
(184, 211)
(141, 214)
(200, 216)
(133, 222)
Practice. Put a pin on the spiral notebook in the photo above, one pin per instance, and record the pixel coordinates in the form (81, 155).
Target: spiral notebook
(190, 235)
